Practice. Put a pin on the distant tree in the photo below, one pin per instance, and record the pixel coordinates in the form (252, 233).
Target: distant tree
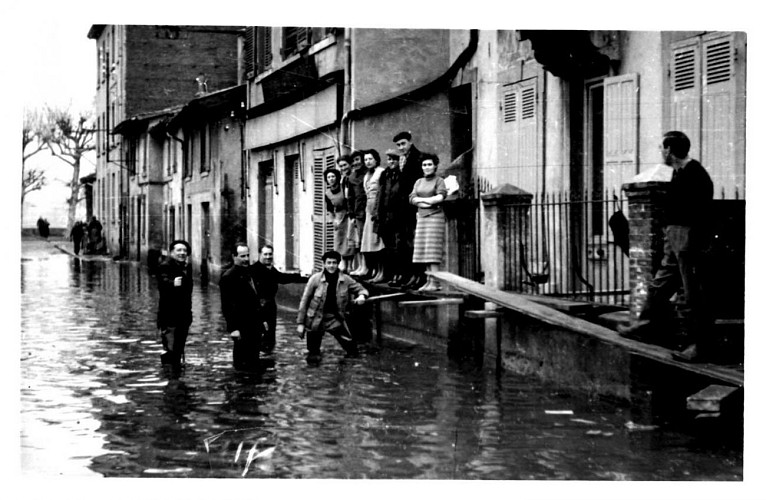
(69, 138)
(32, 142)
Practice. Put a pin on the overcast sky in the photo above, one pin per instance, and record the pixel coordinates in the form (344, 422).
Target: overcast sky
(58, 65)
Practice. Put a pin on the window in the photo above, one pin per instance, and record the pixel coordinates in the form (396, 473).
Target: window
(518, 140)
(186, 153)
(214, 144)
(263, 49)
(114, 198)
(131, 154)
(144, 143)
(204, 161)
(323, 230)
(705, 84)
(294, 40)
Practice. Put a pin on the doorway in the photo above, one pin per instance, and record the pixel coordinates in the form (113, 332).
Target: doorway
(265, 202)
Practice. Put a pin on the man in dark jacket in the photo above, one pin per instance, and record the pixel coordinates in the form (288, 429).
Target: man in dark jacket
(323, 307)
(389, 214)
(241, 309)
(267, 280)
(76, 235)
(174, 315)
(687, 239)
(411, 171)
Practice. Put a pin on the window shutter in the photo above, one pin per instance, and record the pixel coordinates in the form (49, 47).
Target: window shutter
(509, 106)
(526, 162)
(620, 129)
(718, 113)
(685, 92)
(508, 136)
(518, 140)
(263, 48)
(323, 231)
(250, 51)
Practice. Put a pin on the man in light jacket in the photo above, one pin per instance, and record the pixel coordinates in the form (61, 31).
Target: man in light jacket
(323, 305)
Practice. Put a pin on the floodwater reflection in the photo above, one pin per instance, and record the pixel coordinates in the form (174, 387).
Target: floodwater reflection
(95, 401)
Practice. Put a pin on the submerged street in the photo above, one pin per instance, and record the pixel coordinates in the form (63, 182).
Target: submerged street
(95, 401)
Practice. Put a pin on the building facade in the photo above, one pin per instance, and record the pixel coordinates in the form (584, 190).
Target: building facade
(143, 69)
(316, 93)
(207, 187)
(546, 126)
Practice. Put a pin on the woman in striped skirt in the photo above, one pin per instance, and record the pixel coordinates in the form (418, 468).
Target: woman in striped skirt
(428, 194)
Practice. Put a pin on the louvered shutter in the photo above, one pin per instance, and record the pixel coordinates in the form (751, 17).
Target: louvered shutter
(620, 130)
(518, 140)
(508, 136)
(528, 138)
(263, 48)
(250, 51)
(323, 230)
(718, 113)
(685, 92)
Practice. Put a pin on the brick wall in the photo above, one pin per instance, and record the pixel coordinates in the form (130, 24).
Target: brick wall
(161, 71)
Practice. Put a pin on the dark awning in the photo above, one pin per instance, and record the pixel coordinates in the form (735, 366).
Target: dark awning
(572, 53)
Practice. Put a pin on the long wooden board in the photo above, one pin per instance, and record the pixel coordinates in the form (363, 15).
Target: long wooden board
(517, 302)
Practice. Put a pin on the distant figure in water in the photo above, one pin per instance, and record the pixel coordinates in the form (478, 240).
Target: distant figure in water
(43, 228)
(76, 235)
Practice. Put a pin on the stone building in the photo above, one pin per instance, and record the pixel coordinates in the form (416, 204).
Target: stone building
(144, 69)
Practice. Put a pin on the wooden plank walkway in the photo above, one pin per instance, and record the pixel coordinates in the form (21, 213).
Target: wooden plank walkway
(520, 303)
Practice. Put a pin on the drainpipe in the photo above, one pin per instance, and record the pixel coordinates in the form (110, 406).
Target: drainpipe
(344, 141)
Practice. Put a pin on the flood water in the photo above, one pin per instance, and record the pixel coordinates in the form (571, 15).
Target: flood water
(95, 401)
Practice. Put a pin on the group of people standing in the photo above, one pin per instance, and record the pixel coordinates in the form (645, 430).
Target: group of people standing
(388, 221)
(248, 303)
(87, 235)
(389, 226)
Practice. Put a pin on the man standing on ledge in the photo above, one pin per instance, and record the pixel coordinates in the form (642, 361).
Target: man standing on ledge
(174, 315)
(241, 309)
(687, 238)
(413, 275)
(323, 305)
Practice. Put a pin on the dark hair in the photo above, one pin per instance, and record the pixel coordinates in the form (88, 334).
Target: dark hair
(356, 153)
(180, 242)
(374, 154)
(265, 245)
(331, 171)
(330, 254)
(403, 135)
(677, 143)
(237, 245)
(345, 158)
(429, 156)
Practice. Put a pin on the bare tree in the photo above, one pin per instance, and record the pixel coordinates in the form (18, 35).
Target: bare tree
(69, 138)
(32, 142)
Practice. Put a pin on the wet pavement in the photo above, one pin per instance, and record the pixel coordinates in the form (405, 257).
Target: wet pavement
(95, 402)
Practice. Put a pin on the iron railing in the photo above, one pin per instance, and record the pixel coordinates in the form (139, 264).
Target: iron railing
(569, 246)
